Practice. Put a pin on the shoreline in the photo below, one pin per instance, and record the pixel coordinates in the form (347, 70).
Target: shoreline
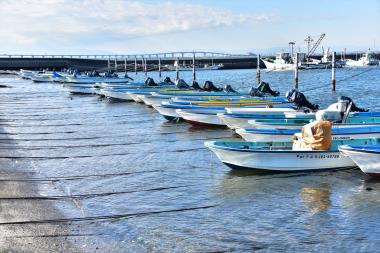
(16, 188)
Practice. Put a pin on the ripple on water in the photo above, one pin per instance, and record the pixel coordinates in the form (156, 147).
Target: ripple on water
(152, 165)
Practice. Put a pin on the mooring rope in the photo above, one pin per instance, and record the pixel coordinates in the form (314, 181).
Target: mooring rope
(92, 195)
(340, 80)
(104, 217)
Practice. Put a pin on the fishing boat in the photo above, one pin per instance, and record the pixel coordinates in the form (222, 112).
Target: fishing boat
(210, 117)
(339, 132)
(240, 119)
(280, 156)
(366, 157)
(303, 111)
(28, 74)
(178, 67)
(283, 61)
(152, 100)
(127, 93)
(299, 123)
(168, 108)
(135, 95)
(93, 80)
(90, 88)
(367, 59)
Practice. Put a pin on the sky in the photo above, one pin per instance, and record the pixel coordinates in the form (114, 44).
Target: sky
(153, 26)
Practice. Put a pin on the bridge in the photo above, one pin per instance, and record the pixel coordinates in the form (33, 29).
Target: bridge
(167, 55)
(102, 61)
(135, 62)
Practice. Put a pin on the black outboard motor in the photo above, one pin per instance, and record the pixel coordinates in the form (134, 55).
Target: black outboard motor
(128, 77)
(354, 108)
(254, 92)
(300, 100)
(150, 82)
(168, 81)
(265, 88)
(209, 86)
(195, 86)
(96, 73)
(229, 89)
(76, 73)
(181, 84)
(108, 73)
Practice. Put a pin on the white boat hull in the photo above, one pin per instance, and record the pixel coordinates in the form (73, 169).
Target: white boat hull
(42, 79)
(93, 80)
(283, 161)
(234, 123)
(135, 97)
(168, 113)
(362, 63)
(368, 162)
(151, 100)
(278, 66)
(200, 119)
(117, 95)
(80, 89)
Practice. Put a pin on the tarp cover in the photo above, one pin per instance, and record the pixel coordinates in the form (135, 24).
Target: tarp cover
(315, 136)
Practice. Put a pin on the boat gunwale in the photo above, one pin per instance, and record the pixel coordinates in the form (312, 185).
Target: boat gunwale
(283, 151)
(358, 150)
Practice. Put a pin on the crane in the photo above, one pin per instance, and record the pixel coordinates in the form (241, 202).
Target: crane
(310, 51)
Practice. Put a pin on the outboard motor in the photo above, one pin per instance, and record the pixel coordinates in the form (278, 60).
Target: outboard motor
(254, 92)
(299, 99)
(181, 84)
(107, 73)
(346, 100)
(338, 112)
(195, 86)
(265, 88)
(209, 86)
(96, 73)
(229, 89)
(168, 81)
(127, 76)
(150, 82)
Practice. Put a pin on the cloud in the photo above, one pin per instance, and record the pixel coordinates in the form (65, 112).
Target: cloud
(35, 21)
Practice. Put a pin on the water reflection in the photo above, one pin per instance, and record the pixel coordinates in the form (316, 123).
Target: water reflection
(370, 183)
(316, 199)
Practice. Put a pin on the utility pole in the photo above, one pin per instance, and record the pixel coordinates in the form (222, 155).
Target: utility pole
(308, 40)
(194, 76)
(258, 77)
(125, 66)
(145, 67)
(296, 73)
(291, 44)
(136, 65)
(177, 70)
(333, 81)
(159, 68)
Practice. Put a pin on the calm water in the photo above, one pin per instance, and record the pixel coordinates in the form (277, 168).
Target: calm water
(151, 165)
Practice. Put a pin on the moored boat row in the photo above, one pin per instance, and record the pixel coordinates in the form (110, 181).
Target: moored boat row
(281, 133)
